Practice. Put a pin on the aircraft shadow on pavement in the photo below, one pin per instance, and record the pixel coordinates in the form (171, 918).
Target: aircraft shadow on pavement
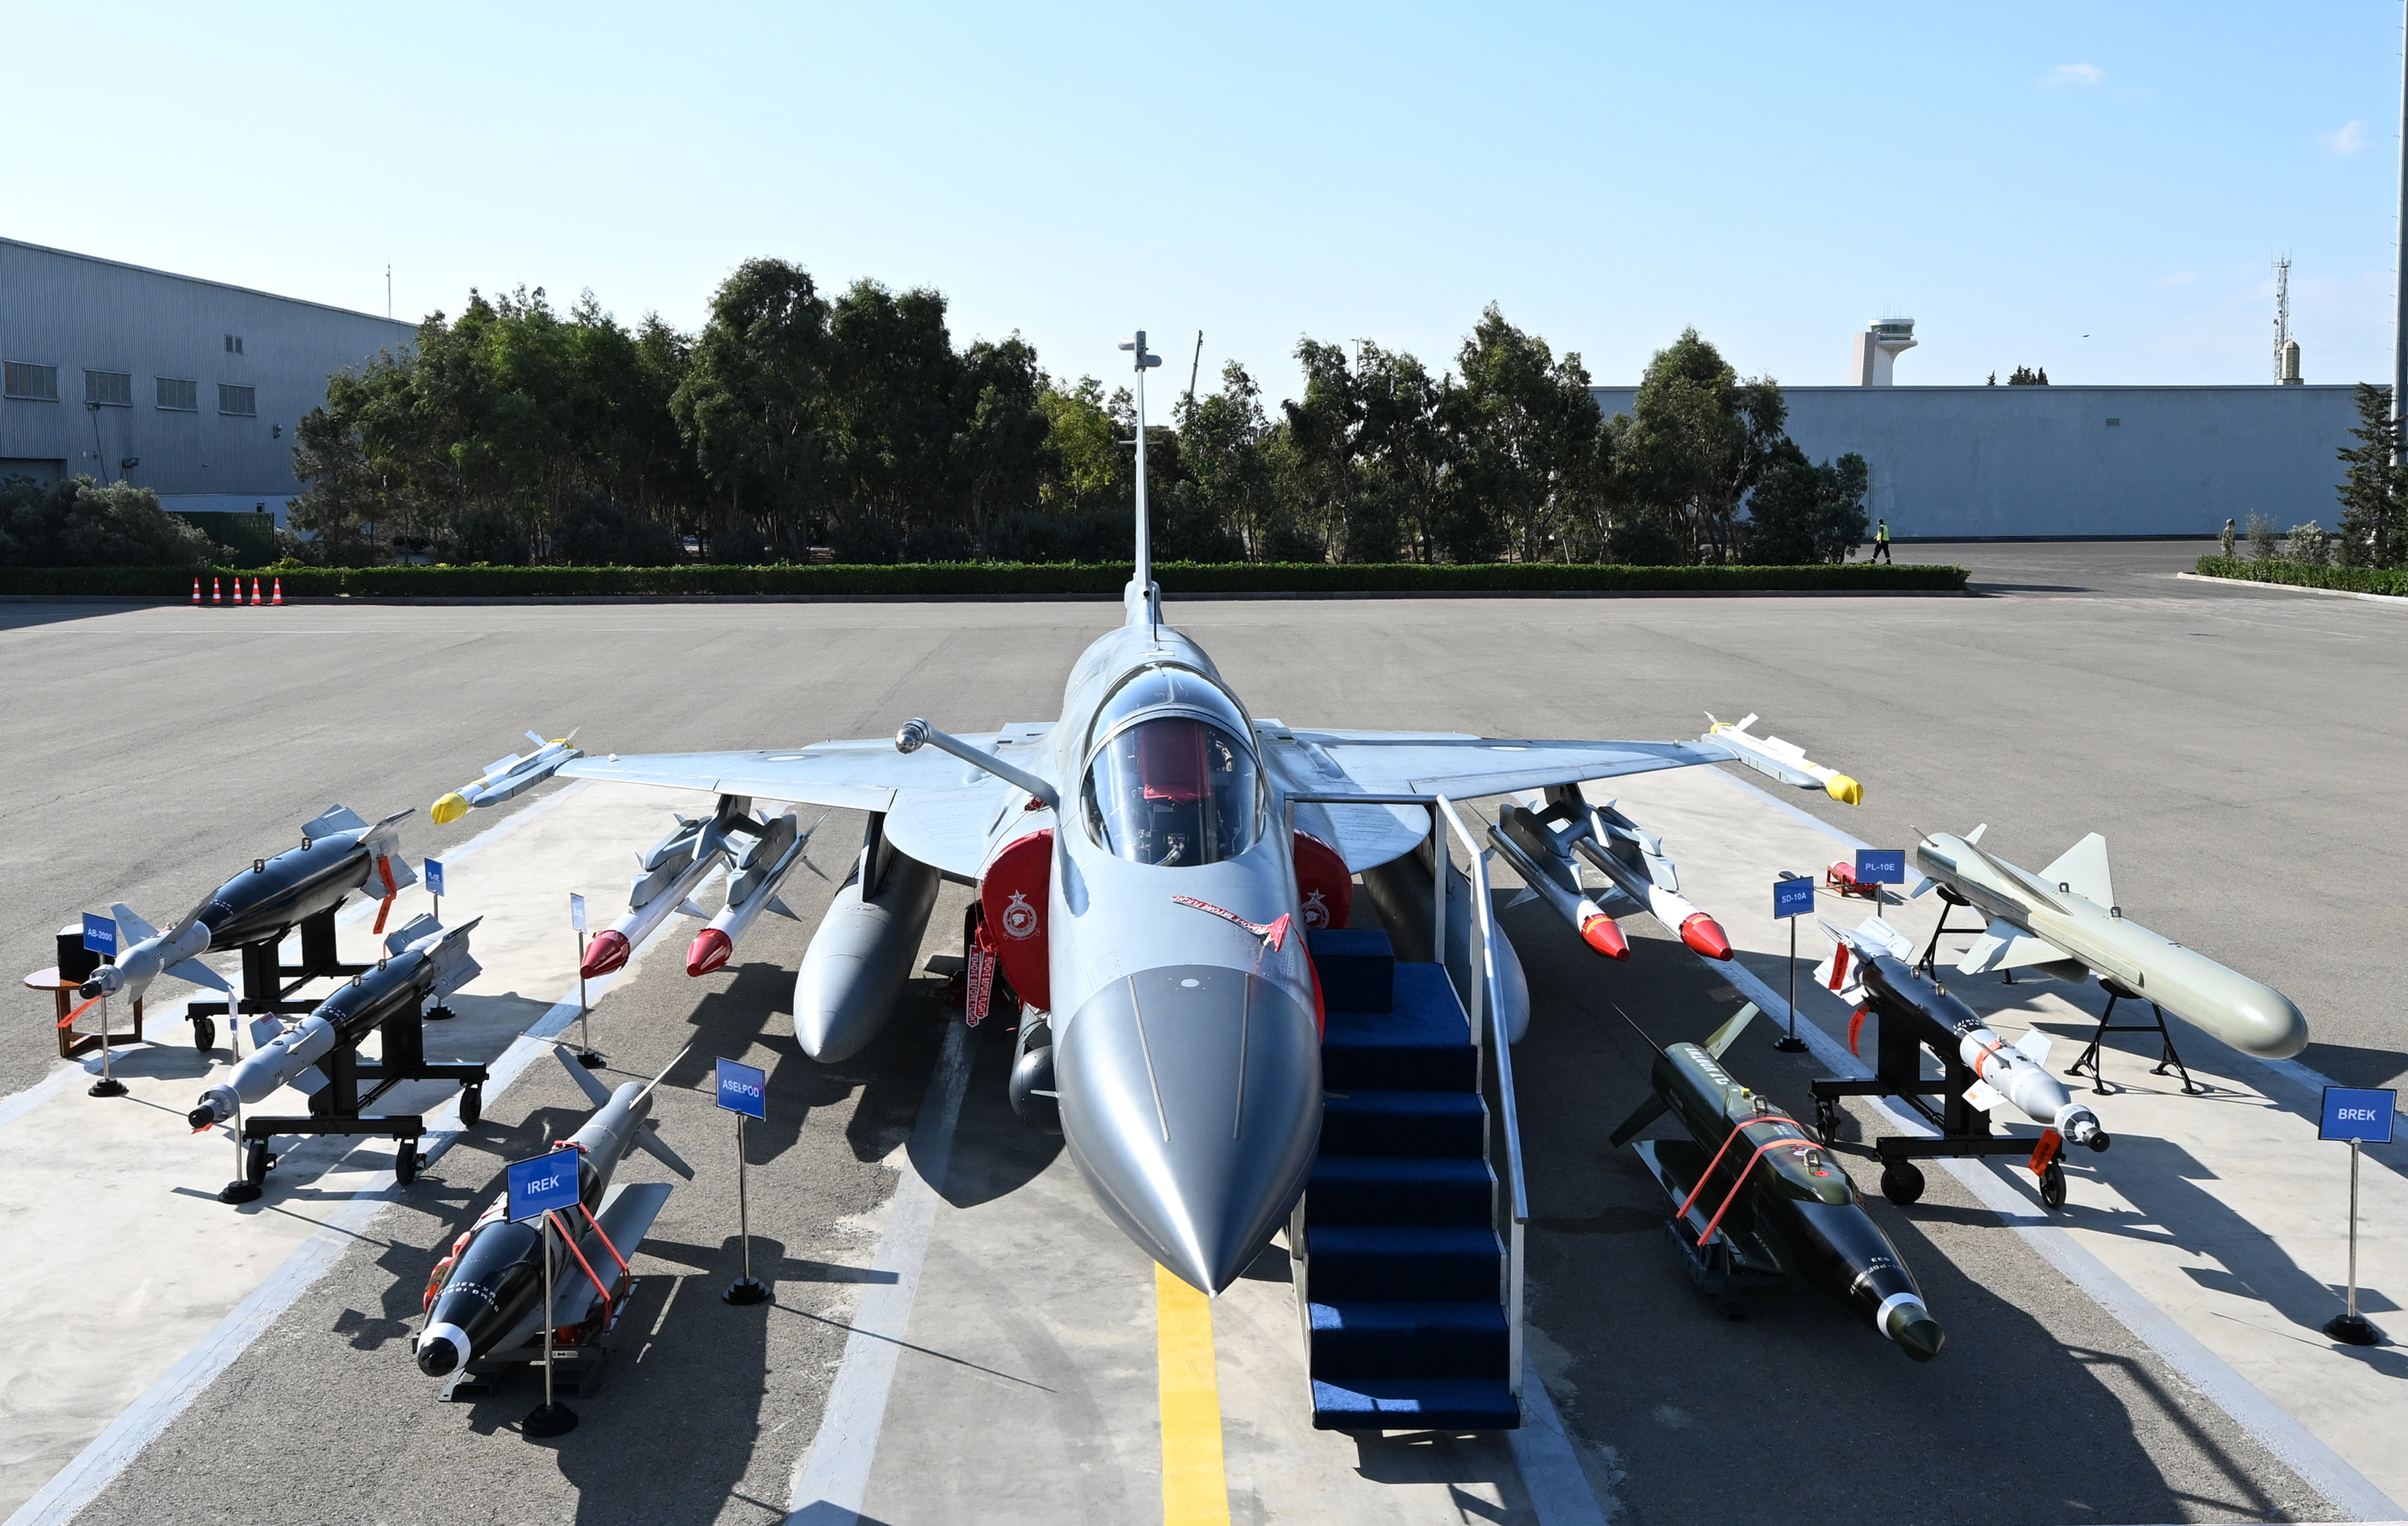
(994, 1154)
(1648, 1367)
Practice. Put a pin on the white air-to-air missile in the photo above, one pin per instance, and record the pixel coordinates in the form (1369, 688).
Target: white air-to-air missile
(1141, 888)
(755, 872)
(2065, 922)
(1540, 845)
(1785, 760)
(665, 881)
(506, 778)
(424, 961)
(1873, 965)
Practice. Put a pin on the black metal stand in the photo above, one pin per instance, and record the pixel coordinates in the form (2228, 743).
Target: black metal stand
(1949, 901)
(336, 1108)
(265, 988)
(2117, 992)
(1964, 1128)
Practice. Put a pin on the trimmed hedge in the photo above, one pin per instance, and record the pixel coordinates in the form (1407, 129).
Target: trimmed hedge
(2391, 581)
(976, 579)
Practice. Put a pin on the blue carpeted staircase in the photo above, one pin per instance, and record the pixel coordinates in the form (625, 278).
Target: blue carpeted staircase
(1396, 1260)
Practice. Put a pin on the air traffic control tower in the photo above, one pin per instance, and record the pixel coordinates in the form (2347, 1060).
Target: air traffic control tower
(1878, 348)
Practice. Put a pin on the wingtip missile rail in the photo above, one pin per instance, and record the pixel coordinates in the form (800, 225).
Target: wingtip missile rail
(1768, 1203)
(505, 779)
(1776, 759)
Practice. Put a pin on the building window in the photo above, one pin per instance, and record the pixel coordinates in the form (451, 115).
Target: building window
(109, 389)
(2113, 423)
(234, 344)
(179, 396)
(34, 383)
(241, 402)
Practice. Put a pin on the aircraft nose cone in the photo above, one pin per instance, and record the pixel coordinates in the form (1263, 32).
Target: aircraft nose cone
(1191, 1101)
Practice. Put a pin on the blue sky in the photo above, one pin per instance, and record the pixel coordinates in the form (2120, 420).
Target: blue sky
(2013, 177)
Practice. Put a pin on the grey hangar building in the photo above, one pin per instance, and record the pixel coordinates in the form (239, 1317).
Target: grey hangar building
(188, 386)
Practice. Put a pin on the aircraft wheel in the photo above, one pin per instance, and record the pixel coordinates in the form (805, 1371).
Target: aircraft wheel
(255, 1162)
(2052, 1185)
(1901, 1183)
(204, 1034)
(1031, 1085)
(405, 1163)
(472, 1106)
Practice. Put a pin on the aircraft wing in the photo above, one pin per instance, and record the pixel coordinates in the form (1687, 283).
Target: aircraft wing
(2004, 946)
(940, 808)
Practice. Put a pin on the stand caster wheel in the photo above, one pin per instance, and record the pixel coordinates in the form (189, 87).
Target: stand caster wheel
(204, 1034)
(405, 1161)
(2052, 1185)
(472, 1106)
(256, 1161)
(1827, 1120)
(1901, 1183)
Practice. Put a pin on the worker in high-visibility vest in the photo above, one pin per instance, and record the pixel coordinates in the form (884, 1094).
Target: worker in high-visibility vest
(1881, 542)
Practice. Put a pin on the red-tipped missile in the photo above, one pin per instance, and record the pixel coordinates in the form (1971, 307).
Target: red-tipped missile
(607, 952)
(709, 949)
(1705, 935)
(1601, 931)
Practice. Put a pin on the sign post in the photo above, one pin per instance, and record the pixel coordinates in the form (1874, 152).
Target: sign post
(2361, 1115)
(1881, 866)
(435, 886)
(743, 1090)
(100, 937)
(1793, 896)
(538, 1188)
(586, 1054)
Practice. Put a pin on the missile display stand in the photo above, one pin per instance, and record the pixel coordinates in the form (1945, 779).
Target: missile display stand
(2088, 1060)
(1964, 1128)
(264, 984)
(336, 1108)
(1949, 901)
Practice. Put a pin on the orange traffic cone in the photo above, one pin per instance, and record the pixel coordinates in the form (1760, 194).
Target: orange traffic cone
(254, 593)
(196, 593)
(279, 591)
(217, 594)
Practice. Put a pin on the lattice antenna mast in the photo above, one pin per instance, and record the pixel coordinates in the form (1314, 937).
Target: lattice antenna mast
(2282, 313)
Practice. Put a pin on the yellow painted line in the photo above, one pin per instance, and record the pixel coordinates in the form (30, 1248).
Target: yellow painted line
(1194, 1486)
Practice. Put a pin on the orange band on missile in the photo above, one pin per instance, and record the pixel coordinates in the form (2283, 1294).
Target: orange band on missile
(82, 1010)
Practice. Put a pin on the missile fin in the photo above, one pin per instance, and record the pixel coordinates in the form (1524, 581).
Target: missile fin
(651, 1144)
(687, 907)
(1728, 1034)
(1647, 1112)
(335, 819)
(2033, 1047)
(264, 1031)
(2081, 869)
(420, 926)
(781, 908)
(1984, 1096)
(592, 1085)
(198, 974)
(1975, 835)
(1524, 899)
(1922, 887)
(310, 1082)
(129, 928)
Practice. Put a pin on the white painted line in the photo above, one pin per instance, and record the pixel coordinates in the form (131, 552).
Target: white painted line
(830, 1481)
(2295, 587)
(1550, 1471)
(2274, 1428)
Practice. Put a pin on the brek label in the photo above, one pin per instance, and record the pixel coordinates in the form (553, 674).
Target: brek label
(543, 1185)
(2360, 1113)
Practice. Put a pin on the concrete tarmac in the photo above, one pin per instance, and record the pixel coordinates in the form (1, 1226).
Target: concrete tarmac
(2113, 699)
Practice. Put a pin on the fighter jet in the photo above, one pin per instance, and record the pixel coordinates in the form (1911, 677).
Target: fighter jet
(2065, 922)
(1146, 904)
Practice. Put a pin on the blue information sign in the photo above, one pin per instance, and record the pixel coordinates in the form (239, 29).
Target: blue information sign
(1792, 897)
(100, 935)
(543, 1185)
(434, 877)
(1881, 865)
(741, 1090)
(2360, 1113)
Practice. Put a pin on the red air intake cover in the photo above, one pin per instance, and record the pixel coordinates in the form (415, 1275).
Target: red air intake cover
(1325, 891)
(1014, 891)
